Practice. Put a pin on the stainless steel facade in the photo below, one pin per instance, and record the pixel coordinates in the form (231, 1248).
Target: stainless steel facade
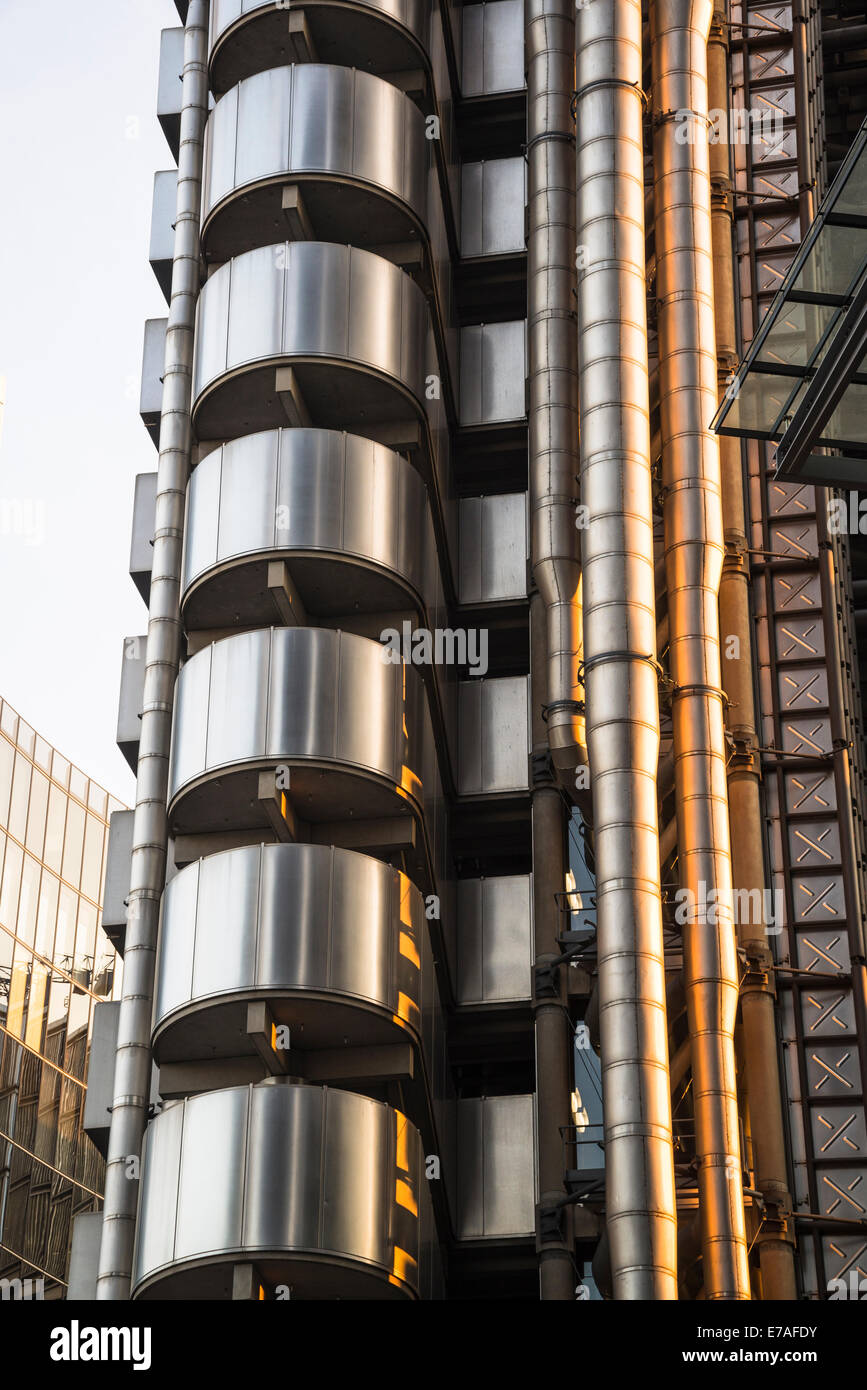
(433, 719)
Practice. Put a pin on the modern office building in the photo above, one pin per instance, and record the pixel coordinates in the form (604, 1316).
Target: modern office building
(55, 967)
(495, 890)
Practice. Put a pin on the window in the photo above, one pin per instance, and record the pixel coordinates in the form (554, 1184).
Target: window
(53, 853)
(36, 814)
(73, 844)
(20, 796)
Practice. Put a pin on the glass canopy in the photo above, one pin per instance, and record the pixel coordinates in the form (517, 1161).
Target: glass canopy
(803, 382)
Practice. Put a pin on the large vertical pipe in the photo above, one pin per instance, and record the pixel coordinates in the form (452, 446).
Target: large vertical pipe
(150, 833)
(620, 650)
(552, 367)
(693, 561)
(761, 1063)
(555, 612)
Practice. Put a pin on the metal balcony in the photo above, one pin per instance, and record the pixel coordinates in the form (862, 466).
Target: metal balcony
(335, 942)
(386, 36)
(348, 517)
(352, 146)
(322, 1191)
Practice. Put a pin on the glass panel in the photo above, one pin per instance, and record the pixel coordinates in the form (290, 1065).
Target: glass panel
(66, 918)
(85, 943)
(853, 196)
(836, 257)
(36, 815)
(75, 1056)
(28, 901)
(37, 1007)
(78, 784)
(53, 853)
(795, 334)
(58, 1004)
(60, 770)
(91, 872)
(7, 764)
(849, 420)
(26, 737)
(47, 916)
(7, 950)
(11, 884)
(9, 721)
(73, 844)
(42, 754)
(761, 401)
(96, 799)
(18, 990)
(20, 796)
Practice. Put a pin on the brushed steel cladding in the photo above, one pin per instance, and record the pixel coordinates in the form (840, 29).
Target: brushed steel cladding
(298, 693)
(297, 492)
(493, 203)
(312, 120)
(313, 300)
(496, 1167)
(316, 1184)
(494, 939)
(493, 735)
(493, 373)
(247, 36)
(493, 48)
(284, 920)
(493, 548)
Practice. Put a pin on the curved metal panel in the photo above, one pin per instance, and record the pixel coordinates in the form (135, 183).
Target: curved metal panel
(311, 300)
(294, 492)
(248, 37)
(298, 1178)
(282, 921)
(291, 694)
(323, 126)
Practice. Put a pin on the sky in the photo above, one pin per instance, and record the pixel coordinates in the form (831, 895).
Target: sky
(79, 144)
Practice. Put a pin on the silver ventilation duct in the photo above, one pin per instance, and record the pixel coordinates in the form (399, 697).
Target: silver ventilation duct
(552, 364)
(620, 650)
(133, 1059)
(694, 551)
(555, 615)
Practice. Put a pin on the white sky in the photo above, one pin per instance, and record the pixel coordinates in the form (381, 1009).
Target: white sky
(79, 144)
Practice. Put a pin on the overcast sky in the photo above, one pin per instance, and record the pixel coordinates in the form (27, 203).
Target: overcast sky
(79, 144)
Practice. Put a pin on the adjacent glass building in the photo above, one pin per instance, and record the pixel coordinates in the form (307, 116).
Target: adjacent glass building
(55, 964)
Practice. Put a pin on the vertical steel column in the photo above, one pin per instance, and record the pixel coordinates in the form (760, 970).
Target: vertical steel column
(620, 650)
(150, 833)
(693, 561)
(761, 1063)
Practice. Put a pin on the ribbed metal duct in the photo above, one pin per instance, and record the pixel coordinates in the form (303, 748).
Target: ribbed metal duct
(552, 366)
(555, 613)
(133, 1064)
(620, 650)
(693, 560)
